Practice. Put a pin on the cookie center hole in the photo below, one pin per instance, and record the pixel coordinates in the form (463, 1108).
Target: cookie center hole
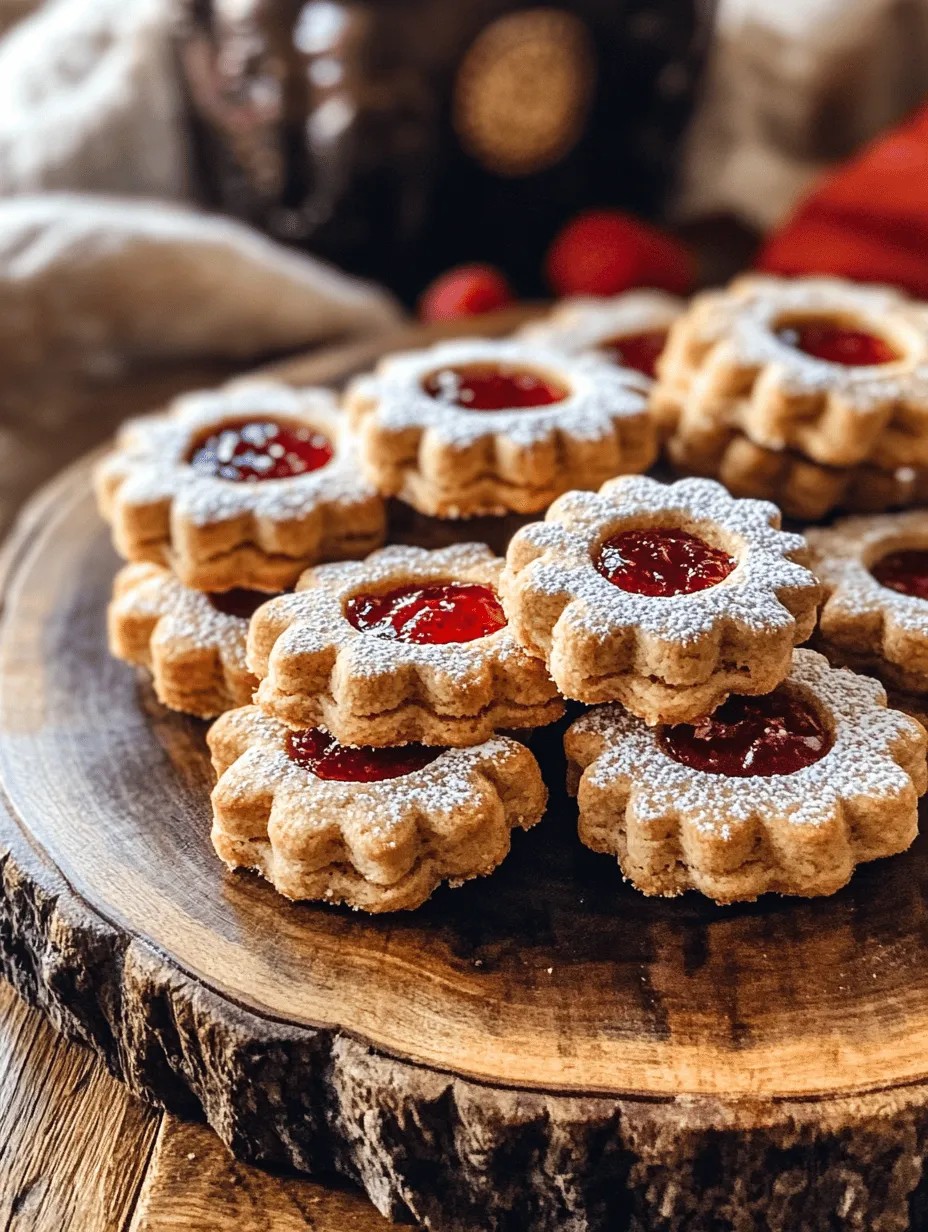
(776, 734)
(321, 753)
(238, 602)
(905, 571)
(637, 351)
(662, 561)
(493, 387)
(255, 450)
(838, 342)
(439, 612)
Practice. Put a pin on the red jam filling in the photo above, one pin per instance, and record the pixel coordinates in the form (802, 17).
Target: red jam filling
(250, 451)
(638, 351)
(906, 572)
(327, 759)
(493, 387)
(855, 348)
(747, 736)
(241, 603)
(662, 562)
(441, 612)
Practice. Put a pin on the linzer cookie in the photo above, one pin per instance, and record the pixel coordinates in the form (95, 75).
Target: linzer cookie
(665, 598)
(240, 487)
(408, 645)
(803, 489)
(485, 427)
(784, 793)
(629, 330)
(378, 829)
(193, 643)
(875, 614)
(832, 369)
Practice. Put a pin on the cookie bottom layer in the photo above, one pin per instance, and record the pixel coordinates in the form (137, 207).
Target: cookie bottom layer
(654, 701)
(662, 868)
(408, 724)
(802, 488)
(481, 852)
(910, 678)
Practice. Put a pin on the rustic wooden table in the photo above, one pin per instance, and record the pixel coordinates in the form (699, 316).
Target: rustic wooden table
(76, 1150)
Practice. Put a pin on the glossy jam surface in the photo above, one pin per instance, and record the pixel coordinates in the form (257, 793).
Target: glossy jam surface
(493, 387)
(663, 562)
(327, 759)
(905, 572)
(778, 733)
(251, 451)
(441, 612)
(241, 603)
(638, 351)
(839, 345)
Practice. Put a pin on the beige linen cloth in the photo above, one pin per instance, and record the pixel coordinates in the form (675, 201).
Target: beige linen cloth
(89, 104)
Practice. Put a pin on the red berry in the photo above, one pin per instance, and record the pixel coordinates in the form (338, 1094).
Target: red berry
(603, 252)
(464, 292)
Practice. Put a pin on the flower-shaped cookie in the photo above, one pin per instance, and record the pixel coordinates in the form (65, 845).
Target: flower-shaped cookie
(875, 614)
(628, 329)
(407, 645)
(378, 829)
(192, 643)
(784, 793)
(665, 598)
(484, 427)
(803, 489)
(243, 486)
(834, 369)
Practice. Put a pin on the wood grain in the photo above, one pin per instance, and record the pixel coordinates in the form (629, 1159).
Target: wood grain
(545, 1049)
(74, 1144)
(193, 1183)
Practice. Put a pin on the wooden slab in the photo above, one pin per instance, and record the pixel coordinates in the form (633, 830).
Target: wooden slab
(545, 1048)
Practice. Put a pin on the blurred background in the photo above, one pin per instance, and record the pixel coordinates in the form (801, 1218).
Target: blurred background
(208, 180)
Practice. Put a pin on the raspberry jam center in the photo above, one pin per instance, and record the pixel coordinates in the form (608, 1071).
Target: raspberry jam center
(493, 387)
(905, 572)
(770, 735)
(855, 348)
(241, 603)
(662, 562)
(441, 612)
(253, 450)
(327, 759)
(638, 351)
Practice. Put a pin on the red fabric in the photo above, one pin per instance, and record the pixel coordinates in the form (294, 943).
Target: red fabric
(868, 220)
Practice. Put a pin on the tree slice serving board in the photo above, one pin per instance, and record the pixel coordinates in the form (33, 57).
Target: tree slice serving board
(544, 1048)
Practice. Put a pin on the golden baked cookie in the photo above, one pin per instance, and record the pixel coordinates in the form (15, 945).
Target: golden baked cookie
(875, 614)
(408, 645)
(803, 489)
(193, 643)
(629, 329)
(240, 487)
(378, 829)
(786, 792)
(833, 369)
(477, 426)
(665, 598)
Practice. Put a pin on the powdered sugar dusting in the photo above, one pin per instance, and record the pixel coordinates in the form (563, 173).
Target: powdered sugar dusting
(842, 554)
(745, 318)
(860, 763)
(599, 394)
(183, 615)
(151, 454)
(315, 621)
(562, 551)
(586, 323)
